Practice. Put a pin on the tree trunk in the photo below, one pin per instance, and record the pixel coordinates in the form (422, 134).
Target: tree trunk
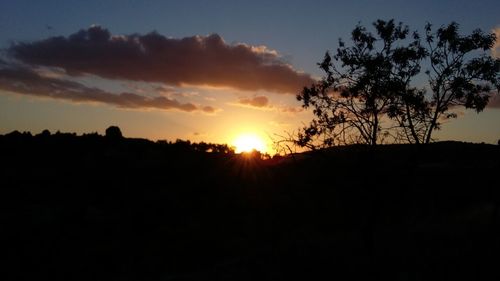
(410, 124)
(374, 130)
(432, 125)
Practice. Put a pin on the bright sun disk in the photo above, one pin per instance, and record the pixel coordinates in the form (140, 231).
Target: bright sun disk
(249, 142)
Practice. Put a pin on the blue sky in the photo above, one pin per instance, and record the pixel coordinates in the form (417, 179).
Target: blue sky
(300, 31)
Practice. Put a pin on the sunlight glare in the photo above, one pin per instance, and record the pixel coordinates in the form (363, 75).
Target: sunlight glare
(249, 142)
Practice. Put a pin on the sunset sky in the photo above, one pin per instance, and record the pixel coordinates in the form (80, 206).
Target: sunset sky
(197, 70)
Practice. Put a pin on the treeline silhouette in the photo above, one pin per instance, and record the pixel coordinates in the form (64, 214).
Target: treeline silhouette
(112, 136)
(95, 207)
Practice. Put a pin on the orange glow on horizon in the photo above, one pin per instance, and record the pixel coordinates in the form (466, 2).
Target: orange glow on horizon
(248, 142)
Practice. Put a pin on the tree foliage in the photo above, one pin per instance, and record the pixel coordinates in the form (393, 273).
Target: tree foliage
(461, 73)
(361, 86)
(114, 133)
(368, 94)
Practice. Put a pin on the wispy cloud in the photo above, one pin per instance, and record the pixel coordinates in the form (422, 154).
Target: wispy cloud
(291, 109)
(262, 102)
(279, 124)
(257, 101)
(196, 60)
(494, 101)
(21, 80)
(209, 109)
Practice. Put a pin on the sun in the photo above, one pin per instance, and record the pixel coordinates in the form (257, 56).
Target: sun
(249, 142)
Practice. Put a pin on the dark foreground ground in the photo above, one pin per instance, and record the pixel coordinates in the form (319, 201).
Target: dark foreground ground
(95, 208)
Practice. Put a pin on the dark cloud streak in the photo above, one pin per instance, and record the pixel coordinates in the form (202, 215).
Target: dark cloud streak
(27, 82)
(257, 101)
(262, 102)
(196, 60)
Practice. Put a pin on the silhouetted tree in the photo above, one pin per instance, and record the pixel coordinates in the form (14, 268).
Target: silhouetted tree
(45, 133)
(361, 84)
(367, 96)
(114, 133)
(461, 73)
(222, 148)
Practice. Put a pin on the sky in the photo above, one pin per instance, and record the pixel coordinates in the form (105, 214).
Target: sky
(197, 70)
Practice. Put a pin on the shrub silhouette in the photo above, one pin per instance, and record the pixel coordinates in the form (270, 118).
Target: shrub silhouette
(114, 133)
(45, 133)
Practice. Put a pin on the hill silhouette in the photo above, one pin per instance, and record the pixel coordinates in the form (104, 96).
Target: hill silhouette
(95, 207)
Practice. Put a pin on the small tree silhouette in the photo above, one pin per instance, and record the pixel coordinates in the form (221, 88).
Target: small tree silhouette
(44, 134)
(361, 84)
(114, 133)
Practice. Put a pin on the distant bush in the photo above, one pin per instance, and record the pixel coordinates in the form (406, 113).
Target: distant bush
(113, 132)
(45, 133)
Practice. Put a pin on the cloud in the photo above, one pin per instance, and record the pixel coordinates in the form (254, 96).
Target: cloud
(199, 134)
(257, 101)
(209, 109)
(495, 50)
(291, 109)
(196, 60)
(494, 101)
(262, 103)
(25, 81)
(279, 124)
